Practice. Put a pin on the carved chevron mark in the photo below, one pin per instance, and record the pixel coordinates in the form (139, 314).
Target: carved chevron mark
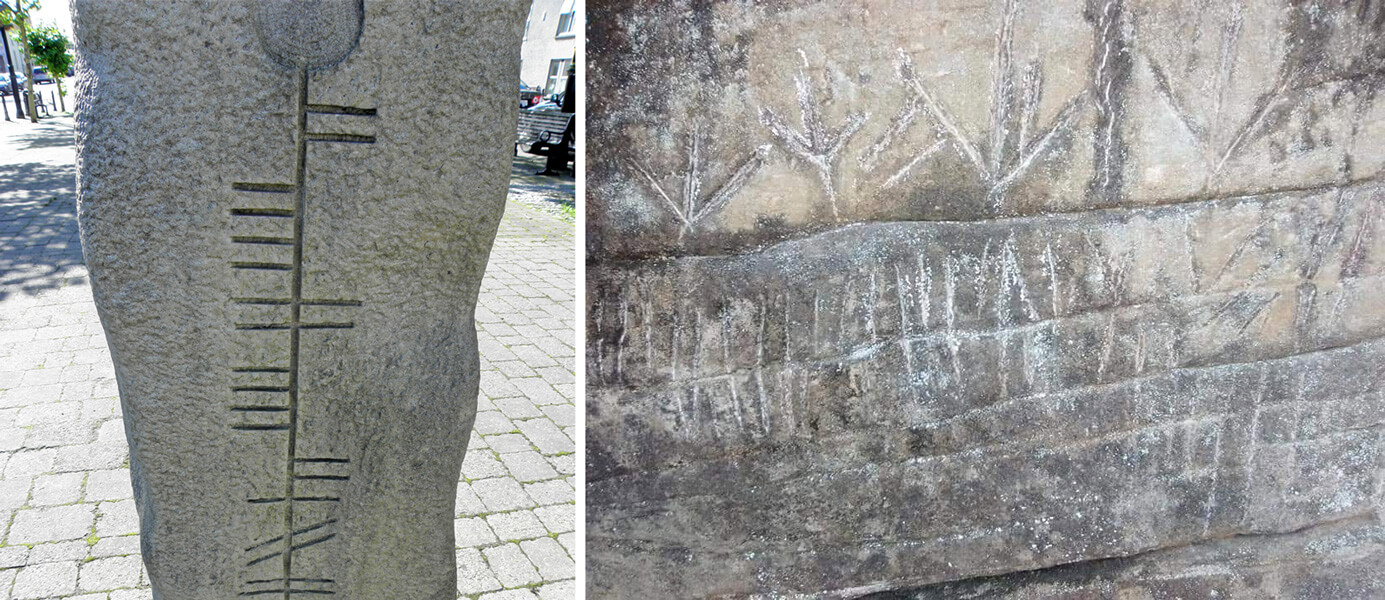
(817, 145)
(1003, 167)
(695, 207)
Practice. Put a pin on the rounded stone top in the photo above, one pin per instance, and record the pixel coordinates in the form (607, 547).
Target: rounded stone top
(308, 34)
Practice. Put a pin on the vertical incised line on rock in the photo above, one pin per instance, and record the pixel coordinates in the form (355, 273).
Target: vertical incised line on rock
(295, 309)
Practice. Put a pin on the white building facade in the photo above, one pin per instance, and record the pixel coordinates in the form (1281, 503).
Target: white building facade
(550, 44)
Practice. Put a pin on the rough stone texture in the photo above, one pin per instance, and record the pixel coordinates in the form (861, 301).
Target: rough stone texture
(526, 299)
(883, 296)
(285, 253)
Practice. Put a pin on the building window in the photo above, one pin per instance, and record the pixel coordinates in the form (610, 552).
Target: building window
(566, 19)
(557, 76)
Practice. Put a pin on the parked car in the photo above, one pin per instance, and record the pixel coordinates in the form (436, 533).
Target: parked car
(41, 76)
(5, 82)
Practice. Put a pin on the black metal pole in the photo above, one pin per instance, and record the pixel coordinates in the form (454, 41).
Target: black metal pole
(14, 83)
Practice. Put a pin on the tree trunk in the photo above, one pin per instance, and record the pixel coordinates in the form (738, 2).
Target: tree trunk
(62, 102)
(23, 21)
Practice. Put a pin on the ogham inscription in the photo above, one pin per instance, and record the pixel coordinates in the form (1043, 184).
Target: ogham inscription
(1096, 280)
(311, 482)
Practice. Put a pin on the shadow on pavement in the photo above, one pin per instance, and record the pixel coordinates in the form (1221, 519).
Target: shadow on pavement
(558, 190)
(39, 249)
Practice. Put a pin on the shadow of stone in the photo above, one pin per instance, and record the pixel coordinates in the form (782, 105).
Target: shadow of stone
(560, 190)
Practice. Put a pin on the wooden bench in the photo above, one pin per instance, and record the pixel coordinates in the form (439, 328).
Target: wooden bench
(533, 124)
(558, 149)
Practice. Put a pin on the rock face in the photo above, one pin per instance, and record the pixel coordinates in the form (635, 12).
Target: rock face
(906, 300)
(287, 209)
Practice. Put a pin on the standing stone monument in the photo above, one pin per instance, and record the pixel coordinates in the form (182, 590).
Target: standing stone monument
(976, 299)
(287, 208)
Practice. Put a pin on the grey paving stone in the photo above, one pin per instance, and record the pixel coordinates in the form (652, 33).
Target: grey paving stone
(116, 518)
(109, 574)
(30, 463)
(508, 442)
(51, 524)
(553, 491)
(473, 532)
(492, 422)
(139, 594)
(516, 525)
(558, 590)
(110, 484)
(481, 465)
(13, 556)
(468, 503)
(557, 518)
(569, 542)
(14, 492)
(499, 494)
(518, 407)
(510, 565)
(528, 465)
(545, 435)
(473, 574)
(46, 580)
(549, 557)
(116, 546)
(518, 594)
(538, 391)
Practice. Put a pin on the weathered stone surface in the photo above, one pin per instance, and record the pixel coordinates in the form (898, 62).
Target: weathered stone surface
(286, 209)
(884, 296)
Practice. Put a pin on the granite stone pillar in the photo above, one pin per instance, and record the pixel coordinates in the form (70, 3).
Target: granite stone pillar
(287, 208)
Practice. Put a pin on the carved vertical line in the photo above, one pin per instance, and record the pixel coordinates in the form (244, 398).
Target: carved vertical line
(295, 311)
(1111, 66)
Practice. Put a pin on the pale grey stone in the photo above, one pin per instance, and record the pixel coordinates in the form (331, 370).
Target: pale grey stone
(13, 556)
(109, 574)
(545, 435)
(549, 557)
(550, 492)
(508, 442)
(116, 546)
(29, 463)
(472, 532)
(557, 518)
(45, 580)
(51, 524)
(482, 464)
(383, 130)
(473, 575)
(116, 518)
(467, 502)
(112, 484)
(516, 525)
(528, 465)
(57, 489)
(561, 590)
(139, 594)
(58, 551)
(501, 494)
(510, 565)
(519, 594)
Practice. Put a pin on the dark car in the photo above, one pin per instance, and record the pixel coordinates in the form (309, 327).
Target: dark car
(41, 76)
(5, 82)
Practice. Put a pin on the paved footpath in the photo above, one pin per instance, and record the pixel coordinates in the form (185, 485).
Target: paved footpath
(66, 510)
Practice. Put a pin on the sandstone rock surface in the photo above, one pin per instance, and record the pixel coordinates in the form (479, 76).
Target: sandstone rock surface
(907, 299)
(287, 209)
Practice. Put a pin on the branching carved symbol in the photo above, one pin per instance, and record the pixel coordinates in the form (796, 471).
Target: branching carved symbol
(1015, 144)
(816, 144)
(693, 207)
(1215, 155)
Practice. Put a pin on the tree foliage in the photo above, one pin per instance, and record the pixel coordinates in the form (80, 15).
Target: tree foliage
(49, 46)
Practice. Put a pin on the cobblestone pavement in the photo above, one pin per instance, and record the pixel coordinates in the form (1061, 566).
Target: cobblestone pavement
(66, 509)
